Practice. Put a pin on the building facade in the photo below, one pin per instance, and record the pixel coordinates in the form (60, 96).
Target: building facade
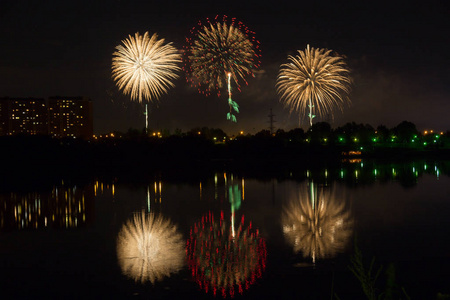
(60, 117)
(23, 116)
(70, 117)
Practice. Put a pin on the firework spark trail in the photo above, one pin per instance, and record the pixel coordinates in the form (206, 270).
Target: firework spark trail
(314, 81)
(218, 52)
(149, 248)
(144, 67)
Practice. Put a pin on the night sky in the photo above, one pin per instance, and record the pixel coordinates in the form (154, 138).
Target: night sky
(398, 53)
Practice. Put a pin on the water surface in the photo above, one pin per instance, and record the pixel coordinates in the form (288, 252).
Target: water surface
(286, 235)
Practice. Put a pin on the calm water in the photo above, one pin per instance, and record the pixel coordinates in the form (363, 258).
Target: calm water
(288, 235)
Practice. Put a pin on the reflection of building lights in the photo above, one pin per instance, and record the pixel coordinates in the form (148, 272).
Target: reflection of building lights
(160, 191)
(61, 207)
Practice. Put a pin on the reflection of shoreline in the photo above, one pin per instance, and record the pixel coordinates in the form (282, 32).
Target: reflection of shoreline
(223, 259)
(317, 224)
(63, 207)
(149, 248)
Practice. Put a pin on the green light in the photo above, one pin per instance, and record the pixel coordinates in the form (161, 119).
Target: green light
(374, 139)
(234, 196)
(424, 143)
(341, 139)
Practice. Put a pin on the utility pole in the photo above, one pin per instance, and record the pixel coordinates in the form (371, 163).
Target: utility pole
(271, 121)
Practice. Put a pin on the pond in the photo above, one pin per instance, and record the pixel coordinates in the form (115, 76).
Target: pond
(291, 234)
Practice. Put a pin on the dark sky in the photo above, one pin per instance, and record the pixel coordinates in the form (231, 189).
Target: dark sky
(398, 53)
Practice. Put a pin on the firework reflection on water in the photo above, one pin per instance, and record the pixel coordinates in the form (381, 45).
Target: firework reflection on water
(149, 248)
(222, 259)
(317, 224)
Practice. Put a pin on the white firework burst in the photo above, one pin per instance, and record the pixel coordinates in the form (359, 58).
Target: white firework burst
(314, 81)
(144, 66)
